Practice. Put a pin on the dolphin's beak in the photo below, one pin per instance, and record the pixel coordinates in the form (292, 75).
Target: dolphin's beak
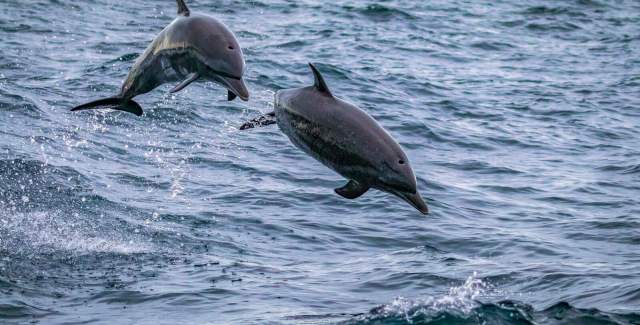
(236, 86)
(415, 200)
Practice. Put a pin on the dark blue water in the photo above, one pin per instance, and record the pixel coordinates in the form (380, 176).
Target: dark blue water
(522, 123)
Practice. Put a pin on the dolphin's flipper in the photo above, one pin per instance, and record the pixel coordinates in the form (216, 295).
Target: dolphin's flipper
(230, 95)
(352, 190)
(262, 120)
(319, 83)
(116, 103)
(183, 10)
(190, 78)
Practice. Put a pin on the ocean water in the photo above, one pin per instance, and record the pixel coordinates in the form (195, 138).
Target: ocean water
(521, 120)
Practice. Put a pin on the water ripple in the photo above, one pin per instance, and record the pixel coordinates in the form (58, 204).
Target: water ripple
(519, 119)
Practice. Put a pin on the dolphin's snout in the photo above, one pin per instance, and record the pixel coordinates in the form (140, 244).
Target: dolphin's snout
(237, 86)
(240, 89)
(416, 201)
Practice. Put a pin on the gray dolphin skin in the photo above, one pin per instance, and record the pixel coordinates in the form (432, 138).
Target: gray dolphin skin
(194, 46)
(344, 138)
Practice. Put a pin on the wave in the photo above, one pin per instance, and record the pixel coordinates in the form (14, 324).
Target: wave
(622, 169)
(379, 12)
(47, 210)
(29, 184)
(461, 306)
(21, 310)
(504, 312)
(19, 102)
(553, 27)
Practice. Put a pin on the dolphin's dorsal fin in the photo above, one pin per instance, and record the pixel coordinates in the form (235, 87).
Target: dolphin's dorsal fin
(183, 10)
(318, 82)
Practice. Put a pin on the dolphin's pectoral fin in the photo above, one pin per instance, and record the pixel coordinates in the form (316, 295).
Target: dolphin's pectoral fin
(190, 78)
(352, 190)
(182, 8)
(230, 95)
(262, 120)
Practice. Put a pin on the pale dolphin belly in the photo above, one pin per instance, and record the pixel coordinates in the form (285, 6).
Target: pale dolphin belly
(154, 70)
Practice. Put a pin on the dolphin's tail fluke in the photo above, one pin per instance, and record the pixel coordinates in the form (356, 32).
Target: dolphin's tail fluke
(114, 103)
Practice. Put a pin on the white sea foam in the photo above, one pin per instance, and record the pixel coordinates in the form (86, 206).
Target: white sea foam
(460, 299)
(44, 232)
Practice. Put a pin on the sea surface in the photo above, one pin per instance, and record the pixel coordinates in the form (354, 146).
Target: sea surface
(521, 120)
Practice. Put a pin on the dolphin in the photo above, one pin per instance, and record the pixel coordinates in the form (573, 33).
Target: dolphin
(194, 46)
(344, 138)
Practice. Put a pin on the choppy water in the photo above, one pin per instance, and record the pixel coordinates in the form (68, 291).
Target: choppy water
(522, 122)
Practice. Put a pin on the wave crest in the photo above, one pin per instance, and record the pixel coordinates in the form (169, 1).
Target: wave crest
(461, 306)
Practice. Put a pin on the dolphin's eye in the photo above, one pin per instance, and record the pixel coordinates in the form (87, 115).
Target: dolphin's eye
(401, 162)
(230, 47)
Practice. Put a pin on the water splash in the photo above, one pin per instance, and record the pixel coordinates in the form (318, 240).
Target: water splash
(37, 233)
(459, 300)
(178, 173)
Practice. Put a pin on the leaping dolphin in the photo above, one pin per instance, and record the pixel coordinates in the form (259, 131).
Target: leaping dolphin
(345, 139)
(194, 46)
